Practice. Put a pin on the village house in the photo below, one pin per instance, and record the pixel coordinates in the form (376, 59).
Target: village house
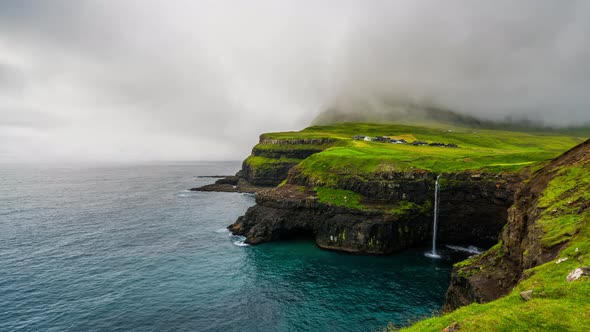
(382, 139)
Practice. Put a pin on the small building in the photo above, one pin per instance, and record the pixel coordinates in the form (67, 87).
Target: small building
(436, 144)
(368, 139)
(398, 141)
(382, 139)
(359, 137)
(417, 143)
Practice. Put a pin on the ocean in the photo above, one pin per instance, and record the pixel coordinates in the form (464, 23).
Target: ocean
(129, 248)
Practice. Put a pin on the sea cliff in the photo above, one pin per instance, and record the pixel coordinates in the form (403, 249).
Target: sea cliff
(375, 197)
(536, 277)
(507, 191)
(390, 213)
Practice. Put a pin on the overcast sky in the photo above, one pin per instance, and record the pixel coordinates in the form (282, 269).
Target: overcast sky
(138, 80)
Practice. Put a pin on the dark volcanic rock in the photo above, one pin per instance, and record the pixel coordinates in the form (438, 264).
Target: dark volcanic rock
(473, 212)
(252, 179)
(231, 180)
(268, 176)
(474, 205)
(231, 184)
(286, 212)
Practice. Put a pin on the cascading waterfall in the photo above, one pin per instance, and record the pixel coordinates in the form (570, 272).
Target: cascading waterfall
(433, 254)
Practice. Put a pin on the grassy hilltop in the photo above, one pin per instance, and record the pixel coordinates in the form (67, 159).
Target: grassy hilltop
(328, 155)
(492, 150)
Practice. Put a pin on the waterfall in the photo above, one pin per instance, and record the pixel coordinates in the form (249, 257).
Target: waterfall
(433, 254)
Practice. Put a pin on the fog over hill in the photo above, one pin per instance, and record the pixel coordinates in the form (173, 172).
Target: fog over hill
(134, 80)
(405, 113)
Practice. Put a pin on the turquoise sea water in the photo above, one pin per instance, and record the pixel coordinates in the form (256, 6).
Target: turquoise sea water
(127, 248)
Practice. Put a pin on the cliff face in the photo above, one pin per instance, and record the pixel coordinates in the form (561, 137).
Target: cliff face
(396, 211)
(550, 209)
(290, 212)
(271, 159)
(269, 164)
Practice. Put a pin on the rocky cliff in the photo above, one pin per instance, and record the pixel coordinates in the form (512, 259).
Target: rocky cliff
(394, 211)
(537, 277)
(269, 163)
(548, 212)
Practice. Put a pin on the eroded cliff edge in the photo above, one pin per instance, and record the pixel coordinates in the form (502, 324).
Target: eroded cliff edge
(537, 277)
(269, 163)
(550, 208)
(391, 211)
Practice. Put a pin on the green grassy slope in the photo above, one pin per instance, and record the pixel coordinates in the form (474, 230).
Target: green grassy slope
(492, 150)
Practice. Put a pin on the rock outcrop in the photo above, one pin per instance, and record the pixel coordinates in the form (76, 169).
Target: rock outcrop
(269, 164)
(290, 211)
(473, 211)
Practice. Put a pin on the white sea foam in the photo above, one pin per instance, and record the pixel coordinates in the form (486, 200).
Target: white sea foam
(470, 249)
(432, 255)
(239, 241)
(222, 230)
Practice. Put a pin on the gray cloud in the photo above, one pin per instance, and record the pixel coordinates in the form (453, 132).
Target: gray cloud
(136, 80)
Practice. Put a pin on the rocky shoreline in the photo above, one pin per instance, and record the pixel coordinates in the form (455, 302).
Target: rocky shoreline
(230, 184)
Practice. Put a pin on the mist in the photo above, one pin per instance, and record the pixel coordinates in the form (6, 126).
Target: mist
(143, 80)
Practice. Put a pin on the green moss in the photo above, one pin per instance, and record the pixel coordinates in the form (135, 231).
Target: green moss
(339, 197)
(293, 147)
(406, 207)
(373, 242)
(567, 186)
(562, 219)
(265, 164)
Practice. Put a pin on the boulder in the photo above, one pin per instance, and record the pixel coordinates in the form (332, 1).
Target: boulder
(527, 295)
(578, 273)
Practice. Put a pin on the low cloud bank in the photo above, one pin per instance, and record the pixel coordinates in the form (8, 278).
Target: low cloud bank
(182, 80)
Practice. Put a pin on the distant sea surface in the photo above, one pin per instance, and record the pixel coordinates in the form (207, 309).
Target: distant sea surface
(128, 248)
